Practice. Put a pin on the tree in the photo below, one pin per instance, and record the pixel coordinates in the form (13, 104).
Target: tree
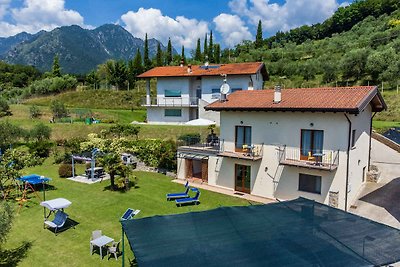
(197, 55)
(93, 78)
(137, 64)
(183, 58)
(168, 57)
(146, 58)
(112, 164)
(58, 109)
(40, 132)
(211, 49)
(116, 73)
(10, 134)
(159, 56)
(259, 38)
(217, 53)
(34, 111)
(354, 62)
(4, 108)
(56, 70)
(205, 52)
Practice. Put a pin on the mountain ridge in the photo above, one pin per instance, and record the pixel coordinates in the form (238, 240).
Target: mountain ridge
(79, 50)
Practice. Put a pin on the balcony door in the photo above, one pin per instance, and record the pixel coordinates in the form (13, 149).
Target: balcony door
(311, 143)
(242, 138)
(242, 178)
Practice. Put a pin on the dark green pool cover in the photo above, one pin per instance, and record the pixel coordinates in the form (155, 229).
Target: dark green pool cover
(300, 232)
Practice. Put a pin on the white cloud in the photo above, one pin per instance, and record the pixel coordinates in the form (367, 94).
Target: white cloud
(291, 14)
(4, 5)
(232, 29)
(182, 30)
(36, 15)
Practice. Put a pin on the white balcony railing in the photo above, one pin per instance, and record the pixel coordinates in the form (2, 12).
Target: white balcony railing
(171, 101)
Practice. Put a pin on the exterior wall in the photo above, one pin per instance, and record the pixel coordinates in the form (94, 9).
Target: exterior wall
(275, 129)
(208, 114)
(157, 115)
(175, 83)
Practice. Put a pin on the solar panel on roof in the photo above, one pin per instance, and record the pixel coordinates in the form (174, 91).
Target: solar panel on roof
(209, 67)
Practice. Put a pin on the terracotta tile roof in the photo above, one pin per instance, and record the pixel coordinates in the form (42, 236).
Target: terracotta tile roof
(334, 99)
(212, 70)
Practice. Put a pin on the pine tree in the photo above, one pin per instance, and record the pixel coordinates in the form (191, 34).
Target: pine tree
(211, 49)
(146, 58)
(137, 64)
(259, 38)
(205, 52)
(159, 55)
(217, 53)
(197, 55)
(169, 52)
(56, 70)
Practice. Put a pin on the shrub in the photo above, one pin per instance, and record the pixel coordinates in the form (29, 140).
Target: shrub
(4, 108)
(40, 132)
(190, 138)
(40, 149)
(65, 170)
(58, 108)
(34, 111)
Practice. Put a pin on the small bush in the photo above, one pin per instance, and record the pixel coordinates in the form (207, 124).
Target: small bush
(65, 170)
(4, 108)
(41, 149)
(190, 138)
(34, 111)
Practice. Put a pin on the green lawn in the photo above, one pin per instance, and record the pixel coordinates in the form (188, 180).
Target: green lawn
(95, 207)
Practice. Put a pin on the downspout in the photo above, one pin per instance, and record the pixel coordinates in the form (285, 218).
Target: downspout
(348, 163)
(370, 140)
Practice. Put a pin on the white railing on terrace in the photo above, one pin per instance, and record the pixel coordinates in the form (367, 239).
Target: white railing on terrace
(171, 101)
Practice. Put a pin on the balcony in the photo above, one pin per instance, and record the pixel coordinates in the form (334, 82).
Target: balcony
(196, 145)
(327, 160)
(170, 101)
(253, 152)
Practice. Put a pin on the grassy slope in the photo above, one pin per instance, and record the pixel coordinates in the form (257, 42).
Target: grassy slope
(94, 207)
(391, 117)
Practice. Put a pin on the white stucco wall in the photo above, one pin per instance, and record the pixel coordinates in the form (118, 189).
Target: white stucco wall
(157, 115)
(269, 179)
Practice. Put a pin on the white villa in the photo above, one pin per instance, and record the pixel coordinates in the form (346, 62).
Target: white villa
(313, 143)
(184, 91)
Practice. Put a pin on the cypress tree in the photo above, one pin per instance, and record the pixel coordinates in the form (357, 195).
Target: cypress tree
(137, 64)
(259, 38)
(217, 53)
(146, 58)
(159, 55)
(211, 49)
(183, 55)
(169, 52)
(56, 70)
(197, 55)
(205, 52)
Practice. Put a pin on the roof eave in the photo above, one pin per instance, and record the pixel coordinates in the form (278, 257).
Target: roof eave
(347, 110)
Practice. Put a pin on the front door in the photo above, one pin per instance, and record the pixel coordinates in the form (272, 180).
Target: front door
(242, 178)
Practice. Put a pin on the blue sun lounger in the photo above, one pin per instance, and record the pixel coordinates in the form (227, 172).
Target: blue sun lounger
(189, 200)
(179, 195)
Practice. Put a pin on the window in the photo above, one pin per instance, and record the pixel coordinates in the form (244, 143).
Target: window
(310, 183)
(215, 93)
(173, 112)
(242, 137)
(353, 138)
(172, 93)
(235, 89)
(311, 143)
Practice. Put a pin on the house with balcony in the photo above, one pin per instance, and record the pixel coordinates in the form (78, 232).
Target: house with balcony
(311, 142)
(184, 91)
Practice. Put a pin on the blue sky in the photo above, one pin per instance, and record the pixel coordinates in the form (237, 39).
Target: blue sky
(184, 21)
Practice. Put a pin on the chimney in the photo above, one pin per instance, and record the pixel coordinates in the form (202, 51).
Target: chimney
(189, 68)
(277, 94)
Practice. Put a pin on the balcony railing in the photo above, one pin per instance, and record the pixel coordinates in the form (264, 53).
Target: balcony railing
(323, 160)
(250, 152)
(171, 101)
(192, 144)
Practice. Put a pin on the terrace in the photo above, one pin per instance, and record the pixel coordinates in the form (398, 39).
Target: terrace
(170, 101)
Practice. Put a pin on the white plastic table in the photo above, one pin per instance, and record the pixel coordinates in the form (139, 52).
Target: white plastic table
(100, 242)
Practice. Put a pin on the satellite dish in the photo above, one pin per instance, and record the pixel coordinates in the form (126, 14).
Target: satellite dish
(225, 88)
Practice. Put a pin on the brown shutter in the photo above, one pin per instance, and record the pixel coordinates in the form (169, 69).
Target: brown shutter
(204, 170)
(189, 168)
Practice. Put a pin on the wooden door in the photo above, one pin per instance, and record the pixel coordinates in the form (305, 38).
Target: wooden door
(204, 170)
(242, 178)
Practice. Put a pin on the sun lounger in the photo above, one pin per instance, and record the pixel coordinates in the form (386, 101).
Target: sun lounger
(179, 195)
(189, 200)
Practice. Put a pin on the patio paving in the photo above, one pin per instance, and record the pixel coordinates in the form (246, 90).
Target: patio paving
(85, 180)
(197, 183)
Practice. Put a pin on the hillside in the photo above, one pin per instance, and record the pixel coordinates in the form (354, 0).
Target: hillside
(368, 53)
(79, 50)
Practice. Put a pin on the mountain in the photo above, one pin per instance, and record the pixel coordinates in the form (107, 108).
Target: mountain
(79, 50)
(6, 43)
